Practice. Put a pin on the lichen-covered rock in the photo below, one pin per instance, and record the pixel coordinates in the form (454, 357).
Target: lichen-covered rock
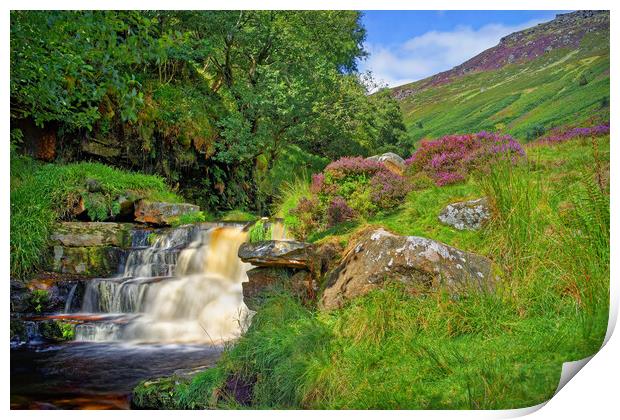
(81, 234)
(392, 161)
(92, 261)
(291, 254)
(161, 213)
(422, 264)
(466, 215)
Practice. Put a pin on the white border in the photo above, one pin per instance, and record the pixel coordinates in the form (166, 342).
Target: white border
(593, 393)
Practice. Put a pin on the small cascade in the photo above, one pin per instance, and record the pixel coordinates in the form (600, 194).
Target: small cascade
(179, 285)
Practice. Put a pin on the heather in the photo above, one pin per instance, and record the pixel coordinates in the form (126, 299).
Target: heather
(349, 188)
(562, 134)
(451, 158)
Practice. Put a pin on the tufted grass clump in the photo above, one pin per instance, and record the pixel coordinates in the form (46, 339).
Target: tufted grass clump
(41, 194)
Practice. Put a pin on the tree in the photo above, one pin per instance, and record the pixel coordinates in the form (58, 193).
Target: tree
(208, 99)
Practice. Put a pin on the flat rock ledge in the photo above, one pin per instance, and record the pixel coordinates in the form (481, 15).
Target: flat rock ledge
(466, 215)
(291, 254)
(76, 234)
(161, 213)
(422, 264)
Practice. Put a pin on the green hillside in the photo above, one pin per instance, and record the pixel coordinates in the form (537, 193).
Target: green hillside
(564, 86)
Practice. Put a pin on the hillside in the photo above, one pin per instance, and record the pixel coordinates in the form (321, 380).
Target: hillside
(553, 74)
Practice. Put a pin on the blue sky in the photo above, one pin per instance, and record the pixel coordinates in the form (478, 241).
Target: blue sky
(410, 45)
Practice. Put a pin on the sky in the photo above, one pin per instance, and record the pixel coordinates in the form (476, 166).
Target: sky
(406, 46)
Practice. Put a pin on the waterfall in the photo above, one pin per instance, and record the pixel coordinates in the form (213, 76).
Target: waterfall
(184, 287)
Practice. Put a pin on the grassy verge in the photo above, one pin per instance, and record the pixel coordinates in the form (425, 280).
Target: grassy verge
(550, 235)
(41, 194)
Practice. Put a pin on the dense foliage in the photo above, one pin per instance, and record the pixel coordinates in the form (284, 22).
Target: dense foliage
(208, 100)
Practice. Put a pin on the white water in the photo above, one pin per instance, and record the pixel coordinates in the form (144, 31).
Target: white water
(186, 287)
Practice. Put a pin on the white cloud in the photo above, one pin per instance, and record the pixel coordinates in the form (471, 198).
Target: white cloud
(433, 52)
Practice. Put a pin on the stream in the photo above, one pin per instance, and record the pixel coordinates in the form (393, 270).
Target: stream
(174, 304)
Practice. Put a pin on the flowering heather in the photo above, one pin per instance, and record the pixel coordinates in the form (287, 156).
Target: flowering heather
(448, 159)
(339, 211)
(561, 135)
(353, 166)
(388, 189)
(318, 180)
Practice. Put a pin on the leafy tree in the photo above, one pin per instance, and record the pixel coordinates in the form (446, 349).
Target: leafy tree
(209, 99)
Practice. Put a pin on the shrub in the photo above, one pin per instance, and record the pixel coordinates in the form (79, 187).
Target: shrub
(189, 218)
(338, 211)
(348, 166)
(419, 181)
(388, 189)
(348, 188)
(534, 132)
(308, 215)
(449, 159)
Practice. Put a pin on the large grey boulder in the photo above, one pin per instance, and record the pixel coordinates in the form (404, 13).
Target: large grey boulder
(466, 215)
(79, 234)
(291, 254)
(422, 264)
(392, 161)
(161, 213)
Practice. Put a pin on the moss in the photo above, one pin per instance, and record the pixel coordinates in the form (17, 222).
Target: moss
(158, 394)
(238, 216)
(42, 194)
(91, 261)
(188, 219)
(57, 331)
(39, 300)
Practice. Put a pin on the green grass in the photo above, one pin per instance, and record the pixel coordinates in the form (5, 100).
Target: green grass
(549, 234)
(41, 194)
(545, 92)
(190, 218)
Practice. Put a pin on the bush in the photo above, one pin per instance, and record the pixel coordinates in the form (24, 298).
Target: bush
(388, 189)
(348, 188)
(308, 216)
(338, 211)
(451, 158)
(534, 132)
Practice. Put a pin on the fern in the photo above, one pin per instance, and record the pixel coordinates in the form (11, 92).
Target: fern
(591, 216)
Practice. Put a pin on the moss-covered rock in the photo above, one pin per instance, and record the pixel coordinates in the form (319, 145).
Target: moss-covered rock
(57, 331)
(86, 234)
(159, 394)
(93, 261)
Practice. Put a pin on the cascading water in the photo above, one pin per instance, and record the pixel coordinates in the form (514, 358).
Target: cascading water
(176, 294)
(185, 287)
